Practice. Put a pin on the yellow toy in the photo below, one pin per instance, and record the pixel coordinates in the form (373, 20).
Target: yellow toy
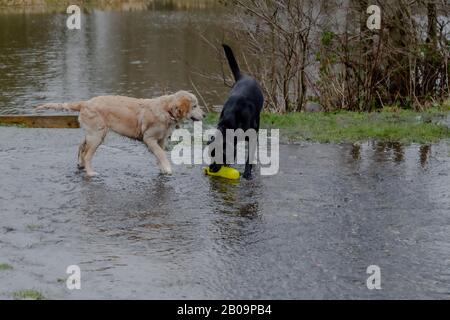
(224, 172)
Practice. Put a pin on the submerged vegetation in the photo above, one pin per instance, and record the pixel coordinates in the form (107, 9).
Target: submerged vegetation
(389, 124)
(28, 294)
(5, 266)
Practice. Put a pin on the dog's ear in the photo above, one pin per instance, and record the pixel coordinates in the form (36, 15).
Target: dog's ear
(181, 108)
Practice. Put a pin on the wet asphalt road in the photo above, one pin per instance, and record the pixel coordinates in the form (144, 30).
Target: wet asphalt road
(309, 232)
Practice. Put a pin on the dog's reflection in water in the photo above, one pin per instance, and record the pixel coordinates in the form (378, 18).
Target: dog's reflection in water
(112, 207)
(236, 197)
(237, 215)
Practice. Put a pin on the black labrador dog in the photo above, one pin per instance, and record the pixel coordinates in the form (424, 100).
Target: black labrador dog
(242, 109)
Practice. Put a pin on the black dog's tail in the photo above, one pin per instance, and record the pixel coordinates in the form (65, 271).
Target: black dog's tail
(232, 62)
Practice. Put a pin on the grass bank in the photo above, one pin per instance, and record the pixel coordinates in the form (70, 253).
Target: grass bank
(387, 125)
(392, 124)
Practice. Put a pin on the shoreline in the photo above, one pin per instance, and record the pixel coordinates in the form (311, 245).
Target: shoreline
(392, 125)
(52, 6)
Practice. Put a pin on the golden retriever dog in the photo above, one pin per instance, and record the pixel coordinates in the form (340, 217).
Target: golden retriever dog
(149, 120)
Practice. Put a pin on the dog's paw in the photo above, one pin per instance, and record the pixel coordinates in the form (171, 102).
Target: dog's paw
(247, 176)
(92, 174)
(167, 172)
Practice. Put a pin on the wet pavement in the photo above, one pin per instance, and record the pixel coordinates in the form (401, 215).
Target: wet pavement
(309, 232)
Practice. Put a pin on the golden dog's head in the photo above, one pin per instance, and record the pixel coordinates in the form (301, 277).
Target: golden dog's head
(185, 106)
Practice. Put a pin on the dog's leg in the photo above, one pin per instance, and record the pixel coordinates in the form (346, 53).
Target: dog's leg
(248, 166)
(213, 167)
(162, 143)
(93, 141)
(81, 154)
(160, 155)
(251, 152)
(247, 125)
(248, 171)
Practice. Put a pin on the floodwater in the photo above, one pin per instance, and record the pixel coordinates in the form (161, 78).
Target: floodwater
(309, 232)
(143, 53)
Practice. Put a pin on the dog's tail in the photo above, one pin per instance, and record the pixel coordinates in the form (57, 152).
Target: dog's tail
(232, 62)
(74, 106)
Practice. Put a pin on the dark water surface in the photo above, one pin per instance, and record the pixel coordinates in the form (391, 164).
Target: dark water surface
(309, 232)
(138, 53)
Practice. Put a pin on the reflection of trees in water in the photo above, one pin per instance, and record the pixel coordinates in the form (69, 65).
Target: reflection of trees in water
(356, 151)
(385, 151)
(43, 6)
(424, 152)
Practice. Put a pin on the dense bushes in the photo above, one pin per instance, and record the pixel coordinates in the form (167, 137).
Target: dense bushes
(323, 50)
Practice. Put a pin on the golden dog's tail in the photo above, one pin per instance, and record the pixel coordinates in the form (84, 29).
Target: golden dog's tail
(74, 106)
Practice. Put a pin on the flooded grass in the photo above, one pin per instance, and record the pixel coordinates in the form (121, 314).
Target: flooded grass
(388, 125)
(34, 227)
(5, 266)
(28, 294)
(12, 125)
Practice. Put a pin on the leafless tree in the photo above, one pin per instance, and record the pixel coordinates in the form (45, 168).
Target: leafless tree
(303, 48)
(275, 41)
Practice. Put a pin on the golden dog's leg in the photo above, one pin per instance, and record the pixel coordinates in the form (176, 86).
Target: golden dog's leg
(160, 155)
(81, 154)
(162, 143)
(93, 141)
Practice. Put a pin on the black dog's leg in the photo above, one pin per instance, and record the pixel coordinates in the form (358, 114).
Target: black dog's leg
(250, 156)
(248, 166)
(214, 167)
(252, 124)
